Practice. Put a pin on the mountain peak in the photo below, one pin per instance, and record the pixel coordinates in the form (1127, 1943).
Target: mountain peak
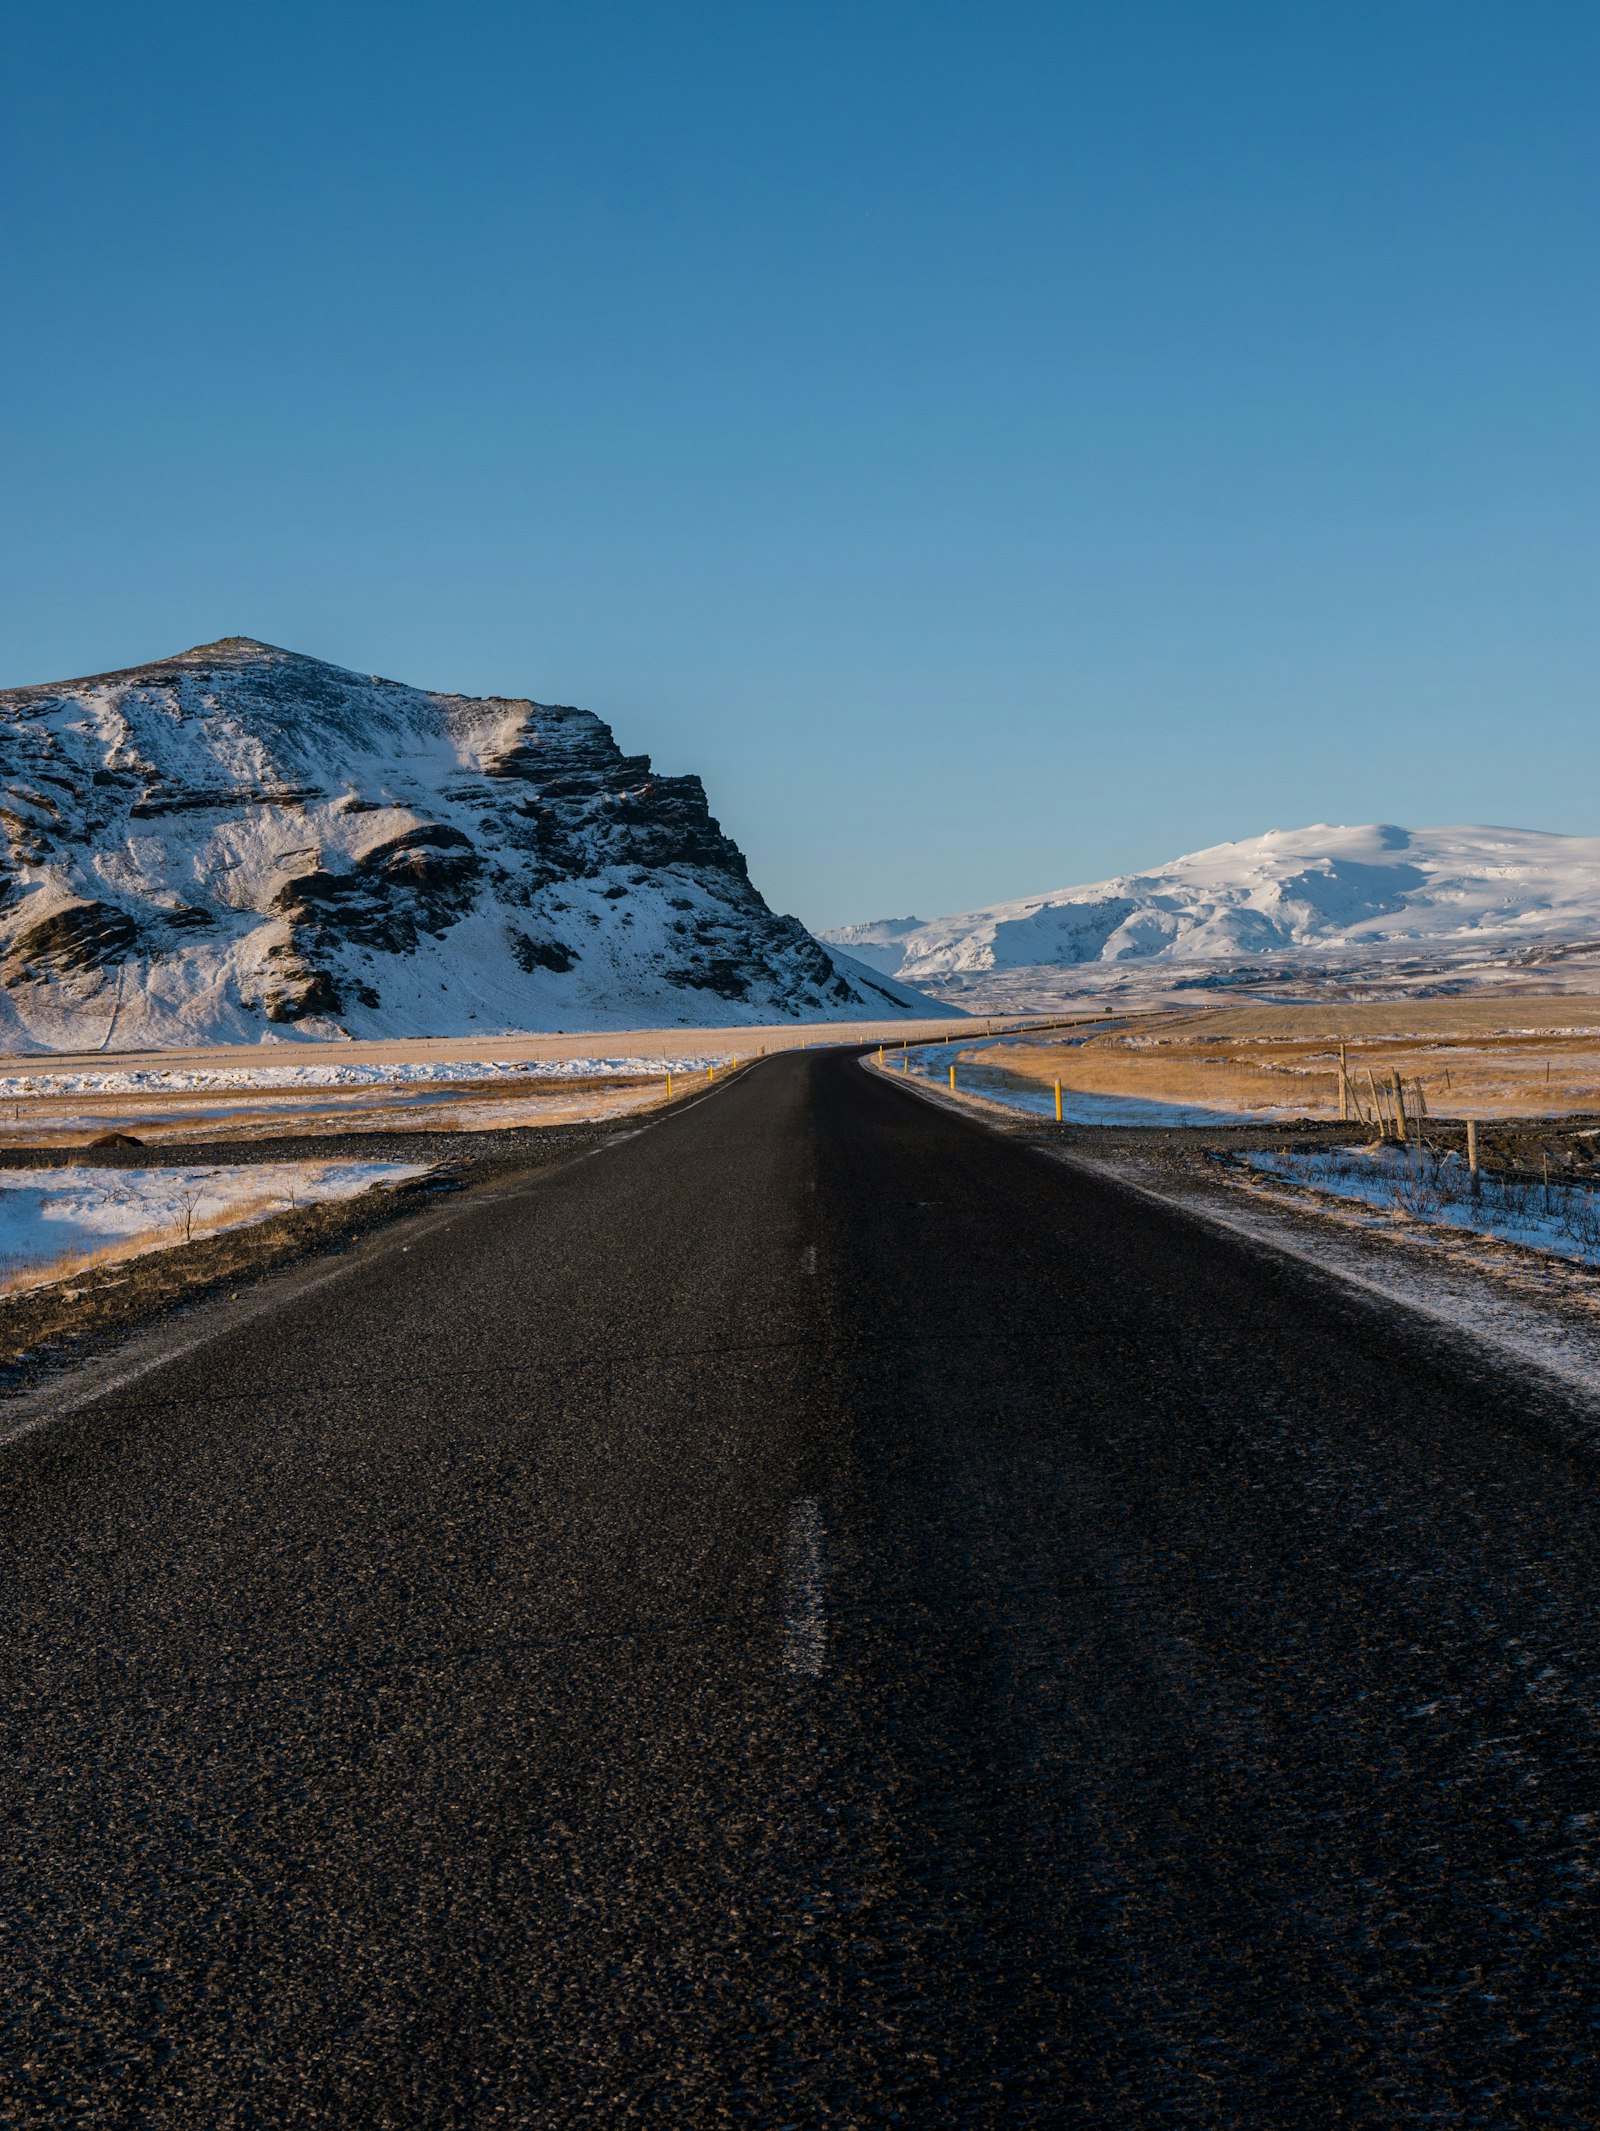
(239, 646)
(1350, 897)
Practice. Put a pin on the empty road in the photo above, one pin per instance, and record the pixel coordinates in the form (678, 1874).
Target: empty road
(814, 1614)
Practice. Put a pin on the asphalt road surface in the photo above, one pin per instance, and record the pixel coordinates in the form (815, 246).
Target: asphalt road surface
(812, 1615)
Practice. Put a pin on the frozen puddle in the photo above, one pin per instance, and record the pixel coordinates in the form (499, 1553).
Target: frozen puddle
(805, 1624)
(56, 1222)
(929, 1064)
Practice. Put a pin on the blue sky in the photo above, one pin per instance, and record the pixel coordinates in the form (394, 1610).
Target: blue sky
(995, 445)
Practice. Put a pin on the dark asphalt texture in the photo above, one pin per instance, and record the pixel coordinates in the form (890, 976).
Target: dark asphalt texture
(812, 1614)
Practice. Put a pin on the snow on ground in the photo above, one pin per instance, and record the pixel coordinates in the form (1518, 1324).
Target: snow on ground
(53, 1221)
(330, 1073)
(1561, 1220)
(932, 1062)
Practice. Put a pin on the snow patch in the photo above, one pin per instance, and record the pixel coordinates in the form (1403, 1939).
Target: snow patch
(52, 1219)
(1561, 1220)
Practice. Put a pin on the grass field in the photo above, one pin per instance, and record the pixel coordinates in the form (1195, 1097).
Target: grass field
(252, 1114)
(1472, 1058)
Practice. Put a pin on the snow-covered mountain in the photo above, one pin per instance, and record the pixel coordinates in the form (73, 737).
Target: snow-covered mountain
(1319, 898)
(240, 838)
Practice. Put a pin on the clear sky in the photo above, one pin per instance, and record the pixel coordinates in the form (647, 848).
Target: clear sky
(995, 444)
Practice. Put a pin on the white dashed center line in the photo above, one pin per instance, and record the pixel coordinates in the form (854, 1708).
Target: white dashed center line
(805, 1625)
(808, 1260)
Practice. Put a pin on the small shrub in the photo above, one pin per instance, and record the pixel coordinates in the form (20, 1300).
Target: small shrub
(1580, 1217)
(1417, 1190)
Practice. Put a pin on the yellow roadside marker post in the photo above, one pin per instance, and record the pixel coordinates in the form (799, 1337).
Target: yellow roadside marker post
(669, 1087)
(1058, 1102)
(952, 1080)
(711, 1072)
(880, 1054)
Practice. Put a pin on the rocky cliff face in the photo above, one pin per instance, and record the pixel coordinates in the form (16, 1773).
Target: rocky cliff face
(240, 839)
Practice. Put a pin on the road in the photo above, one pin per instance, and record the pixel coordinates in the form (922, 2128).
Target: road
(815, 1614)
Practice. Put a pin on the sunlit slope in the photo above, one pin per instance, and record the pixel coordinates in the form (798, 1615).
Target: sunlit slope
(1319, 893)
(241, 839)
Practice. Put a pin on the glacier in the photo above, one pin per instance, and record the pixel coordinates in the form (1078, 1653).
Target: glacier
(1322, 901)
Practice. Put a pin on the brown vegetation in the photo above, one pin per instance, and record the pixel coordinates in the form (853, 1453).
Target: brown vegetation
(164, 1120)
(1471, 1058)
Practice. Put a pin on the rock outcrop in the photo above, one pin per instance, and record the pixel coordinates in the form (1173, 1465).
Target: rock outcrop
(241, 836)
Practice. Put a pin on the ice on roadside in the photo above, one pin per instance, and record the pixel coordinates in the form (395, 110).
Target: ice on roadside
(1034, 1098)
(55, 1220)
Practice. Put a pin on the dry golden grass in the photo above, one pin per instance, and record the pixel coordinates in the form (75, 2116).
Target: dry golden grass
(1485, 1059)
(742, 1040)
(1335, 1021)
(254, 1114)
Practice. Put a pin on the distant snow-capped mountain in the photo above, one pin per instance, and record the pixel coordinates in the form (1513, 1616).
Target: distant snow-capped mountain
(240, 838)
(1322, 896)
